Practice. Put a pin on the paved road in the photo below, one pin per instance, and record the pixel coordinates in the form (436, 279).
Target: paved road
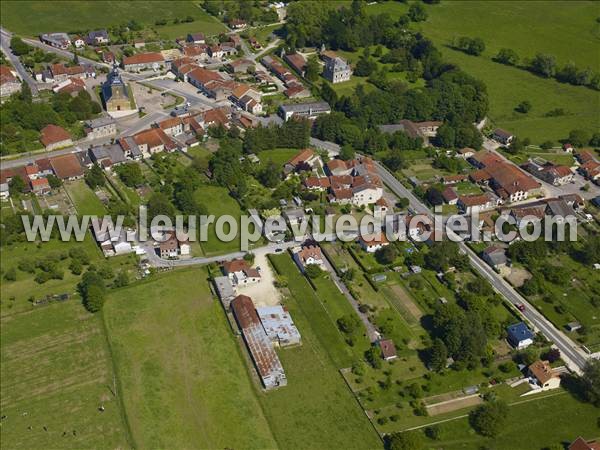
(64, 53)
(332, 148)
(157, 261)
(571, 353)
(5, 37)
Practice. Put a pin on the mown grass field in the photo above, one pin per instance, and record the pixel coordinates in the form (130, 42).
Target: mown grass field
(184, 382)
(527, 28)
(219, 203)
(84, 199)
(530, 425)
(30, 18)
(56, 373)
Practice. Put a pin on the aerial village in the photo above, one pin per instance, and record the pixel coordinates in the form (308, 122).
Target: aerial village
(181, 126)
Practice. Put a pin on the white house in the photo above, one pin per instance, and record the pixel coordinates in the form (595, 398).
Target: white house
(310, 254)
(240, 272)
(519, 335)
(373, 242)
(366, 194)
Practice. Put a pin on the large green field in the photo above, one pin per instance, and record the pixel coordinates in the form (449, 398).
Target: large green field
(56, 373)
(527, 28)
(183, 380)
(31, 18)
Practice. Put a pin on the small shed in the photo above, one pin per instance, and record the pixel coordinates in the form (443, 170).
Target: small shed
(573, 326)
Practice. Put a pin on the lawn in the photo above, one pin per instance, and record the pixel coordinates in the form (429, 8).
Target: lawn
(262, 33)
(31, 18)
(84, 199)
(315, 410)
(56, 373)
(573, 301)
(516, 25)
(184, 381)
(279, 155)
(219, 203)
(530, 425)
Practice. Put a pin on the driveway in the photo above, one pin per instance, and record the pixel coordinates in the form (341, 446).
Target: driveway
(264, 293)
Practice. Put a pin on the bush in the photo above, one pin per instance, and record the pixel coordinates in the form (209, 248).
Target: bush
(313, 271)
(489, 418)
(11, 274)
(433, 432)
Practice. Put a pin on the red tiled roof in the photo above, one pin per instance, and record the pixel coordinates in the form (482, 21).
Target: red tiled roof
(237, 265)
(335, 164)
(203, 76)
(178, 63)
(296, 60)
(374, 239)
(449, 194)
(302, 156)
(169, 123)
(66, 166)
(582, 444)
(474, 200)
(143, 58)
(39, 183)
(6, 75)
(52, 134)
(511, 179)
(317, 182)
(32, 169)
(388, 349)
(215, 116)
(487, 158)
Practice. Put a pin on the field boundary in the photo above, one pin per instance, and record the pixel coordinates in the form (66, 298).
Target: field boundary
(118, 385)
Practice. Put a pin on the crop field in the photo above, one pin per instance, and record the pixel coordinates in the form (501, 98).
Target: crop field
(184, 381)
(56, 375)
(31, 18)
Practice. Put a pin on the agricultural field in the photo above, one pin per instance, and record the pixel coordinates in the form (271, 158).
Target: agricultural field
(56, 374)
(186, 386)
(44, 17)
(503, 24)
